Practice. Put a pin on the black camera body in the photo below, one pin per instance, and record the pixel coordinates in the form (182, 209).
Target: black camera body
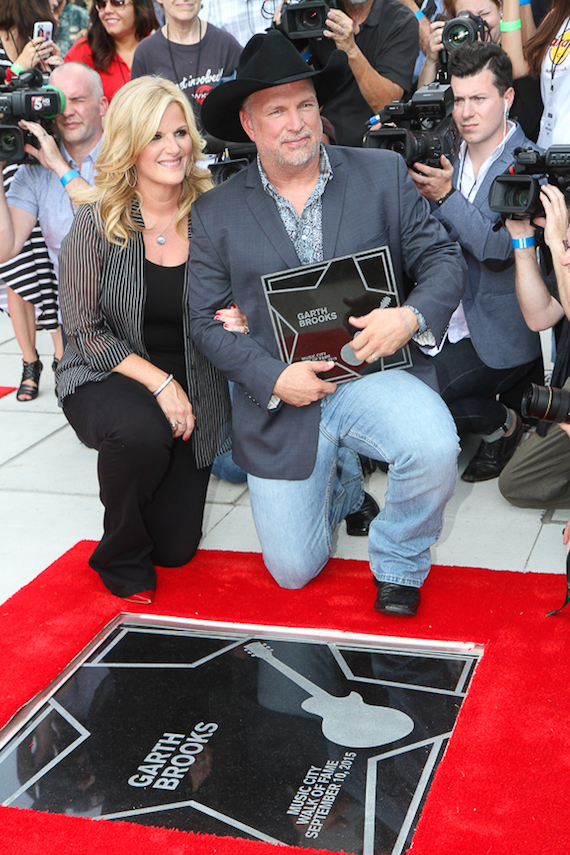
(424, 127)
(463, 30)
(516, 193)
(304, 19)
(25, 98)
(231, 157)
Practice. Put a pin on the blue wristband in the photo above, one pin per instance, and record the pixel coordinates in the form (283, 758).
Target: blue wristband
(523, 243)
(69, 176)
(524, 2)
(419, 14)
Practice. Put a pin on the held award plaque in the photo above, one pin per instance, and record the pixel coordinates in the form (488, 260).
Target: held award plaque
(310, 307)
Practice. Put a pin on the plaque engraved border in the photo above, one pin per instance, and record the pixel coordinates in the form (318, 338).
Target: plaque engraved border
(295, 737)
(310, 305)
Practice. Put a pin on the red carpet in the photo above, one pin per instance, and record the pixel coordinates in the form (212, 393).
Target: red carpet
(5, 390)
(504, 784)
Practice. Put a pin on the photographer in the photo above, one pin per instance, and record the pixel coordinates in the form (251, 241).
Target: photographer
(487, 16)
(538, 476)
(380, 39)
(489, 348)
(45, 191)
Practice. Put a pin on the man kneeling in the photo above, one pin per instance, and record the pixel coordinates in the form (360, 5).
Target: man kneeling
(297, 435)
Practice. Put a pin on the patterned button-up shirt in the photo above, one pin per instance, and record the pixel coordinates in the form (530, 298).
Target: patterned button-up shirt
(306, 231)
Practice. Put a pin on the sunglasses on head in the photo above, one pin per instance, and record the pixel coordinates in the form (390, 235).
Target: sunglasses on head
(116, 3)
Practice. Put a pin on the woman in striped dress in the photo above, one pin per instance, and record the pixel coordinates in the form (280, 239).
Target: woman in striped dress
(29, 277)
(131, 381)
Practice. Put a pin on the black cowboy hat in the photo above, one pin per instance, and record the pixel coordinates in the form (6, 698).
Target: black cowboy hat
(268, 59)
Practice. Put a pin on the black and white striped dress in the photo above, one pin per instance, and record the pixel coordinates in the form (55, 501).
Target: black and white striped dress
(30, 274)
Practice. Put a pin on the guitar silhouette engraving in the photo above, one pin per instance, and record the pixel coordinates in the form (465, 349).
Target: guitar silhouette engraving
(347, 721)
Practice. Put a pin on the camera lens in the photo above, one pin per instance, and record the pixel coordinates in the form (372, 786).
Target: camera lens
(546, 403)
(8, 144)
(458, 35)
(517, 196)
(311, 18)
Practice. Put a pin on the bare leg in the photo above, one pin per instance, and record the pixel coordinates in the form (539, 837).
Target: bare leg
(23, 317)
(57, 339)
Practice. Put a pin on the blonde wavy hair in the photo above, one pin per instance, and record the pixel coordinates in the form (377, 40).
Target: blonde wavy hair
(131, 123)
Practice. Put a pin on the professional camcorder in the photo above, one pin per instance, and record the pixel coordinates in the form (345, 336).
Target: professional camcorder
(516, 193)
(230, 157)
(547, 404)
(464, 30)
(26, 98)
(425, 129)
(305, 19)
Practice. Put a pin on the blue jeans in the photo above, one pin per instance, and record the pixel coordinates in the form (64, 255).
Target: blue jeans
(391, 416)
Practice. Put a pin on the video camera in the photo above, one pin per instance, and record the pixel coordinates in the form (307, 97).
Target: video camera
(231, 157)
(516, 193)
(305, 19)
(25, 98)
(425, 129)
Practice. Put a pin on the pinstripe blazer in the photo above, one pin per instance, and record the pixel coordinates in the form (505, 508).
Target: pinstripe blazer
(102, 296)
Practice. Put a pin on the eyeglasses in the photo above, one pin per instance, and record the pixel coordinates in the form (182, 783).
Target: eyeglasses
(118, 4)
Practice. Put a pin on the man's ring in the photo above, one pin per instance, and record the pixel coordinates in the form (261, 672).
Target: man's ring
(374, 357)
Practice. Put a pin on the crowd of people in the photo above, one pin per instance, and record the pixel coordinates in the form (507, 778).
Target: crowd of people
(114, 238)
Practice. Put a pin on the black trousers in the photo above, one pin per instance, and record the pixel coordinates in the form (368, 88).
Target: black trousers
(469, 387)
(152, 492)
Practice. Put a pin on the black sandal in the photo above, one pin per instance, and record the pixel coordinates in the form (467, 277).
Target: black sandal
(32, 371)
(54, 365)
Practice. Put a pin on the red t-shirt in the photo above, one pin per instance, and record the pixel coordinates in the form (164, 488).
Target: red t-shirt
(117, 73)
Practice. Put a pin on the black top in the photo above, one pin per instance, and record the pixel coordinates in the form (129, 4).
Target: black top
(163, 332)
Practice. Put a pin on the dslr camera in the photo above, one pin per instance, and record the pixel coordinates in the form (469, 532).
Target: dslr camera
(516, 193)
(26, 98)
(304, 19)
(464, 30)
(424, 127)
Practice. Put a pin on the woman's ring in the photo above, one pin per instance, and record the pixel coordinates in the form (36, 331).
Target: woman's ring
(173, 425)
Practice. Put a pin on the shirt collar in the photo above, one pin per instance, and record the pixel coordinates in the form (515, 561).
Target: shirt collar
(92, 154)
(325, 172)
(497, 151)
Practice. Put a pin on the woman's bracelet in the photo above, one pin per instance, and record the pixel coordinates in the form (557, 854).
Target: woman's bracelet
(509, 26)
(163, 385)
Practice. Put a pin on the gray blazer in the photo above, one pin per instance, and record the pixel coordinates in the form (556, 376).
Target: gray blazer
(238, 235)
(498, 330)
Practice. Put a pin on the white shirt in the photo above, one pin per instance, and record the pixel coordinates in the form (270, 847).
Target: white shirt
(555, 90)
(241, 18)
(468, 186)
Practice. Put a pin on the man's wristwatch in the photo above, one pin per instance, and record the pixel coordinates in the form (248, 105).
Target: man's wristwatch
(445, 196)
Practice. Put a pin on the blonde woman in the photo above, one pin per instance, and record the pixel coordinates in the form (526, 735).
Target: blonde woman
(131, 382)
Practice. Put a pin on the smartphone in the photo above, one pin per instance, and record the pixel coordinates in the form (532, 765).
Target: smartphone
(43, 29)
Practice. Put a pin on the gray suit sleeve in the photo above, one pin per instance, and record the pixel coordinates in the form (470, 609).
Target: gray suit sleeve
(474, 229)
(238, 356)
(433, 261)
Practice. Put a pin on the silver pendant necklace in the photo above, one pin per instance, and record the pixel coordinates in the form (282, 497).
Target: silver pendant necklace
(160, 239)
